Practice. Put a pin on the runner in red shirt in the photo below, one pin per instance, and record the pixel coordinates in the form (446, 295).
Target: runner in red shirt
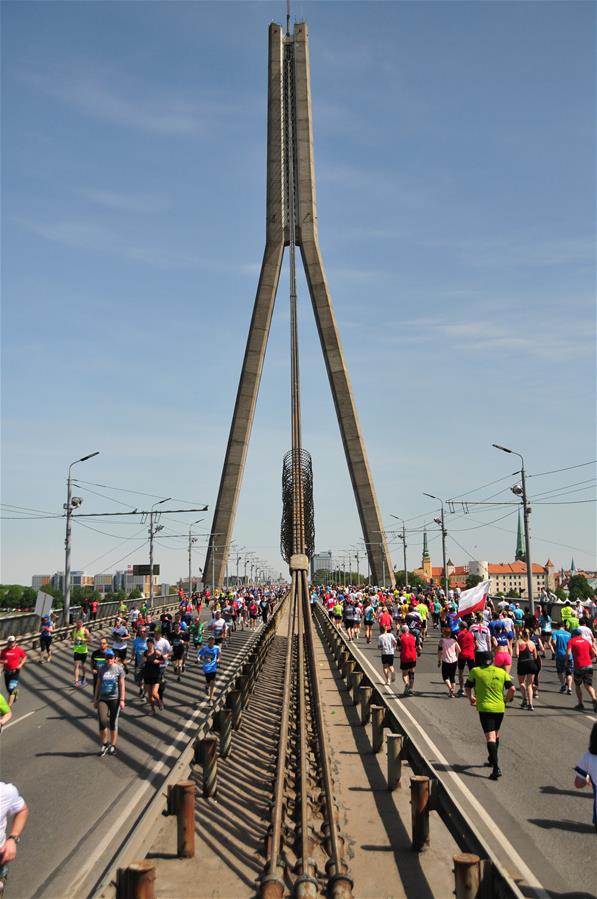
(466, 641)
(384, 620)
(583, 654)
(408, 659)
(12, 659)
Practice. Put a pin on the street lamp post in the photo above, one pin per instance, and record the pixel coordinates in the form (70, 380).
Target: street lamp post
(441, 522)
(403, 538)
(152, 533)
(191, 541)
(72, 502)
(526, 511)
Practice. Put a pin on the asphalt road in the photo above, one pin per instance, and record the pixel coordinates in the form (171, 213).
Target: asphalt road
(79, 802)
(534, 805)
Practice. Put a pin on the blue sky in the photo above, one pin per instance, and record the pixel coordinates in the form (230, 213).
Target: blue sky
(455, 158)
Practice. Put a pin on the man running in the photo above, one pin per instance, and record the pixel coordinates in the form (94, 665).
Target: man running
(110, 695)
(368, 616)
(408, 659)
(12, 659)
(5, 712)
(120, 639)
(210, 656)
(45, 638)
(98, 660)
(482, 635)
(12, 806)
(80, 640)
(560, 638)
(488, 683)
(387, 643)
(582, 653)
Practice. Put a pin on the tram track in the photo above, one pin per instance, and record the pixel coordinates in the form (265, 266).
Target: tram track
(304, 847)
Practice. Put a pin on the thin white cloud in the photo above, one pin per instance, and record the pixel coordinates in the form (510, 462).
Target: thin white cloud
(123, 202)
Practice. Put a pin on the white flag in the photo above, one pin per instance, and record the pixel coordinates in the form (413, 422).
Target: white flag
(473, 600)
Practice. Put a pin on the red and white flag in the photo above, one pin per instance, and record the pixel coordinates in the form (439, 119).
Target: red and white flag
(473, 600)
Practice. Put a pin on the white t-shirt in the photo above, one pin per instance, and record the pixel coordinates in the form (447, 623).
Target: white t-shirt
(387, 643)
(585, 633)
(163, 646)
(588, 765)
(10, 804)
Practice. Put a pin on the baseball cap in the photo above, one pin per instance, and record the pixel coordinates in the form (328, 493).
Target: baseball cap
(11, 639)
(109, 653)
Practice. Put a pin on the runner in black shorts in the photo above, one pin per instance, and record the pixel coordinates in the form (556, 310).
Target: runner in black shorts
(109, 698)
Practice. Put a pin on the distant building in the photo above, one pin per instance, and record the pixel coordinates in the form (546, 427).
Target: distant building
(40, 580)
(103, 583)
(322, 562)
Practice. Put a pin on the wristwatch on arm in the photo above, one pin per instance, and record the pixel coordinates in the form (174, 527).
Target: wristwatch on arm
(14, 837)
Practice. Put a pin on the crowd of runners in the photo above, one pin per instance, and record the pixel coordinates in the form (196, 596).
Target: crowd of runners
(488, 656)
(147, 647)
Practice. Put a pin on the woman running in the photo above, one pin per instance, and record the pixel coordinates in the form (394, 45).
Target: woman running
(526, 668)
(448, 651)
(502, 650)
(151, 675)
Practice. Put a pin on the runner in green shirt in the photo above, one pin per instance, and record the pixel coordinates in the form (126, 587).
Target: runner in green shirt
(80, 638)
(5, 712)
(489, 683)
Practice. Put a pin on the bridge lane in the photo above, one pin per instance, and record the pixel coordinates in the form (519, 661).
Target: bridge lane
(76, 799)
(535, 803)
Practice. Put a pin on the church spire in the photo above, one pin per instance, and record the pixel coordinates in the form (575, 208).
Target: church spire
(520, 554)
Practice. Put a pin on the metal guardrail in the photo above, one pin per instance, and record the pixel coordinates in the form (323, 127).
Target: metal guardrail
(61, 633)
(496, 883)
(142, 829)
(23, 625)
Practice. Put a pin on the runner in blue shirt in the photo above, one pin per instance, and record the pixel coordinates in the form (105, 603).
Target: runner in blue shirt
(210, 656)
(564, 663)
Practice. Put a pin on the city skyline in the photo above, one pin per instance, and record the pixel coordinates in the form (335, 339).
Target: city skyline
(134, 155)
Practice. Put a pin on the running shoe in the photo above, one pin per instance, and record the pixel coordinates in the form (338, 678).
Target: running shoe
(563, 688)
(568, 692)
(531, 708)
(83, 682)
(111, 750)
(497, 772)
(103, 750)
(523, 704)
(579, 708)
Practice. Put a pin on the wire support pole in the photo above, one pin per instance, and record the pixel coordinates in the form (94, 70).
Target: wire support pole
(338, 868)
(278, 810)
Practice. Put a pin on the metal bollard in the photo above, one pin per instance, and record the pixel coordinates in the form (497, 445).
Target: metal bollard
(467, 875)
(209, 758)
(378, 714)
(354, 683)
(234, 702)
(347, 669)
(419, 800)
(184, 806)
(394, 750)
(365, 701)
(136, 881)
(224, 720)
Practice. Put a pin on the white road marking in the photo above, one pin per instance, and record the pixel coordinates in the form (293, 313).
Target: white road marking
(496, 833)
(159, 767)
(18, 721)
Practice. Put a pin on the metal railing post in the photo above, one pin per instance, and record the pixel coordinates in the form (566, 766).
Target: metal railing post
(419, 799)
(394, 750)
